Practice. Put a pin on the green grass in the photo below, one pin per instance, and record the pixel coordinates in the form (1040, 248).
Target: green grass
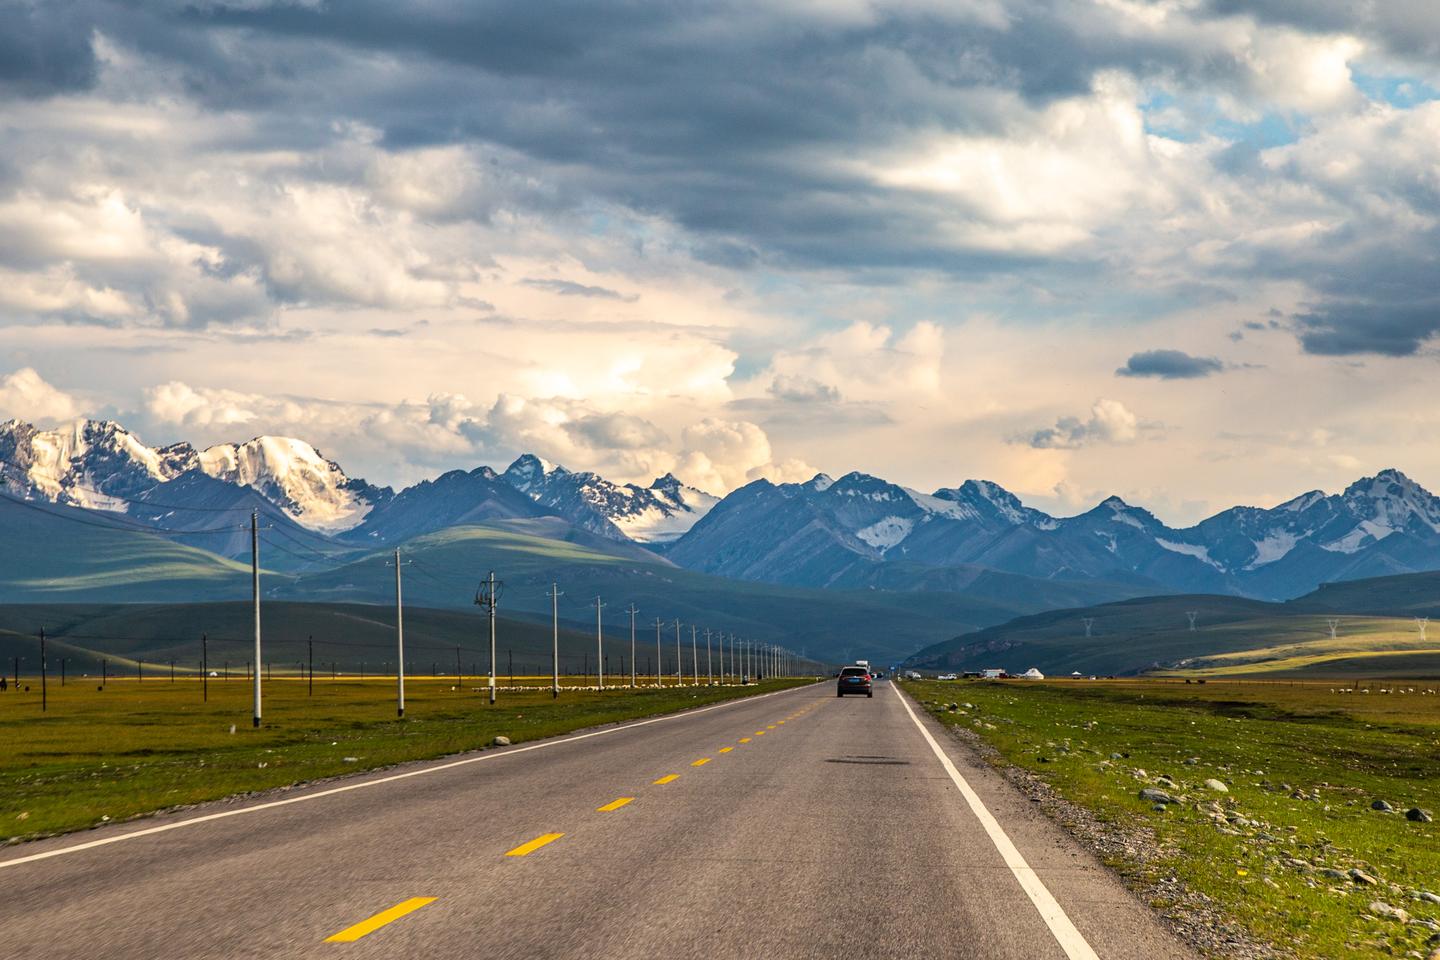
(49, 557)
(134, 748)
(1233, 637)
(1266, 741)
(1298, 645)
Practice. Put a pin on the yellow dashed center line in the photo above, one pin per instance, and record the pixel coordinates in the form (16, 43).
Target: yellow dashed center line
(351, 934)
(667, 778)
(771, 727)
(614, 805)
(744, 739)
(726, 749)
(759, 733)
(528, 848)
(701, 762)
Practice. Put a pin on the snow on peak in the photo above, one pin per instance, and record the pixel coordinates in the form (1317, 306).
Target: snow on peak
(84, 463)
(886, 533)
(1388, 501)
(658, 513)
(1303, 502)
(529, 472)
(1190, 550)
(820, 482)
(293, 475)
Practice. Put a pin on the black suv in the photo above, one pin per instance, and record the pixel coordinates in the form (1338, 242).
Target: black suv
(854, 680)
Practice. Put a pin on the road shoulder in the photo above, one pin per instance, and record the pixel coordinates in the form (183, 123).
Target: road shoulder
(1108, 914)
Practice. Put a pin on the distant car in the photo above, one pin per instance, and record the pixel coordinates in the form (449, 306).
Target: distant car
(854, 680)
(947, 676)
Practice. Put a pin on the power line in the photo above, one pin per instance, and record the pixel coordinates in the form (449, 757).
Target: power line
(114, 523)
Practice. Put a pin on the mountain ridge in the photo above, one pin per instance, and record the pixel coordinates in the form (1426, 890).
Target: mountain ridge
(854, 531)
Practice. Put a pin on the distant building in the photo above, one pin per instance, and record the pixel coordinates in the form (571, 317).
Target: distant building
(993, 673)
(1032, 674)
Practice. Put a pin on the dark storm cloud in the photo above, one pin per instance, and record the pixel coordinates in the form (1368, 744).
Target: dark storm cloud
(724, 118)
(44, 48)
(1347, 329)
(735, 122)
(1169, 365)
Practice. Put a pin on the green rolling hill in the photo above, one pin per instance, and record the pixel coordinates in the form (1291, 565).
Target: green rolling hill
(836, 625)
(1375, 635)
(54, 558)
(47, 553)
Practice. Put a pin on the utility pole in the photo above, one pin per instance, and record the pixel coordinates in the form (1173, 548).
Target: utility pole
(679, 657)
(487, 598)
(694, 656)
(633, 610)
(599, 646)
(659, 658)
(709, 661)
(310, 665)
(44, 693)
(399, 643)
(62, 671)
(255, 597)
(555, 596)
(205, 667)
(459, 677)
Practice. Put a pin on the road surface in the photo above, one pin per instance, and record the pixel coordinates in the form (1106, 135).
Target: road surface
(791, 825)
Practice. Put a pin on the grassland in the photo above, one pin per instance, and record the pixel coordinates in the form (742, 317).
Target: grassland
(136, 747)
(1301, 645)
(1302, 761)
(1232, 637)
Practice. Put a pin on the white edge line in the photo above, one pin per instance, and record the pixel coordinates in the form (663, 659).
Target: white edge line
(134, 834)
(1070, 939)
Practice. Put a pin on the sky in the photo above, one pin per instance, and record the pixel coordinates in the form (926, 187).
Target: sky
(1182, 251)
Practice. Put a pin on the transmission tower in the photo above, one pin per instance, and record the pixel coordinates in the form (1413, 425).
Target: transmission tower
(1422, 623)
(1192, 616)
(1334, 625)
(1089, 622)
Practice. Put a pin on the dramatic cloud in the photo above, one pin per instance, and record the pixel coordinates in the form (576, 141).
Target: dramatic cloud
(1109, 422)
(24, 395)
(1169, 365)
(737, 237)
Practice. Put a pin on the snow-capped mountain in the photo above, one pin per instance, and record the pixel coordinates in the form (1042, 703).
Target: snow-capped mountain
(451, 499)
(658, 513)
(858, 531)
(98, 464)
(837, 532)
(295, 477)
(87, 463)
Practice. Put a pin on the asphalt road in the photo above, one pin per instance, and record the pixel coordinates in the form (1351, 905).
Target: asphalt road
(792, 825)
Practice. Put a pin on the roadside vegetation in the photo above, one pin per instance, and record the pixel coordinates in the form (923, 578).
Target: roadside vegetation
(1300, 811)
(101, 756)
